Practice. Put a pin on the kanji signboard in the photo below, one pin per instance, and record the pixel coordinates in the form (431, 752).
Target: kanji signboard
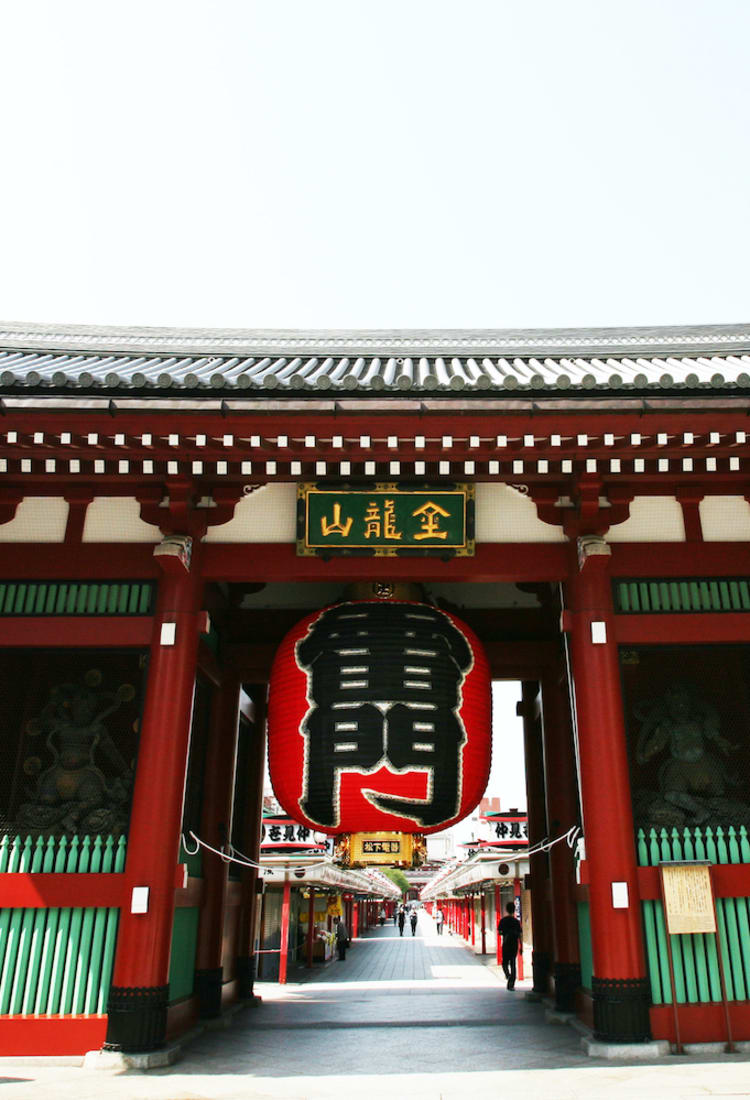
(511, 828)
(379, 717)
(385, 520)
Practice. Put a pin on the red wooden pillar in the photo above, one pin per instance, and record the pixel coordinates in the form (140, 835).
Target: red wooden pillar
(541, 958)
(355, 920)
(216, 828)
(251, 883)
(284, 945)
(619, 986)
(517, 901)
(473, 919)
(310, 927)
(138, 998)
(498, 915)
(561, 789)
(484, 924)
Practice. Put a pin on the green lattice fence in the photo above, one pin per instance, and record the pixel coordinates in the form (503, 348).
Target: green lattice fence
(58, 960)
(669, 596)
(697, 976)
(76, 597)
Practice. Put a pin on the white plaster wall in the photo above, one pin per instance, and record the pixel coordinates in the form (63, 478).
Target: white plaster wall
(725, 519)
(117, 519)
(267, 515)
(652, 519)
(505, 515)
(37, 519)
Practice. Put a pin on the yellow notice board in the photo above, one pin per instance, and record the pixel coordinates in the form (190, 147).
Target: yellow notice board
(688, 898)
(381, 848)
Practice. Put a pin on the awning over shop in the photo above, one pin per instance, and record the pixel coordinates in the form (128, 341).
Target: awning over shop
(313, 871)
(483, 870)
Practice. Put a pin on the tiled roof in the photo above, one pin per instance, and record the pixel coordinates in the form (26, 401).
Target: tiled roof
(541, 361)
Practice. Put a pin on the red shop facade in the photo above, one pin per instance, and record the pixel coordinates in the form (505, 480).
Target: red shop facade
(150, 568)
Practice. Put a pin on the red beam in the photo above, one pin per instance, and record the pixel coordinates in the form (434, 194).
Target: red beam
(50, 1035)
(701, 1023)
(279, 562)
(47, 890)
(88, 561)
(62, 630)
(299, 422)
(680, 559)
(684, 629)
(731, 880)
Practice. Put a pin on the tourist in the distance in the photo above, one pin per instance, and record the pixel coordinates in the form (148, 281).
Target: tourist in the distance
(510, 929)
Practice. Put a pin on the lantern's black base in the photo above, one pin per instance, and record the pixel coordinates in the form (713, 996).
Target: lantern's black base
(567, 982)
(541, 969)
(208, 985)
(245, 976)
(621, 1009)
(136, 1018)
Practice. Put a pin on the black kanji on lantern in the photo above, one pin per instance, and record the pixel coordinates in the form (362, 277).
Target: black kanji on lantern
(384, 686)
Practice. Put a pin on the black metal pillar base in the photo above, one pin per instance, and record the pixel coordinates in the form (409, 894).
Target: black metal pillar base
(541, 968)
(136, 1018)
(621, 1009)
(245, 976)
(567, 981)
(207, 988)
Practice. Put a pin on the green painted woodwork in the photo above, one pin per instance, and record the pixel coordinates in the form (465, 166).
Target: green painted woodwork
(45, 598)
(696, 595)
(584, 944)
(697, 976)
(58, 960)
(184, 946)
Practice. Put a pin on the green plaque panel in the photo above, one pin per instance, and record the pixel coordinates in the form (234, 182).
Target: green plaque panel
(386, 520)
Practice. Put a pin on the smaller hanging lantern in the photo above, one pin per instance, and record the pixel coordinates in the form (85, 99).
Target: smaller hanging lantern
(379, 718)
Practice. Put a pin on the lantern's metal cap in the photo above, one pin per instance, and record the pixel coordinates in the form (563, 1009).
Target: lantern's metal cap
(385, 590)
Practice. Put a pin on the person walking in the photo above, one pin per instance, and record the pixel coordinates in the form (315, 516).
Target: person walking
(382, 916)
(510, 929)
(413, 921)
(342, 938)
(439, 922)
(401, 920)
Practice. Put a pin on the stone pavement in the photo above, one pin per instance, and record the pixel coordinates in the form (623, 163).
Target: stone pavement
(418, 1018)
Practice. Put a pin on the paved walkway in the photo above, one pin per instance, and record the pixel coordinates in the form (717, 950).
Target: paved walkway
(418, 1018)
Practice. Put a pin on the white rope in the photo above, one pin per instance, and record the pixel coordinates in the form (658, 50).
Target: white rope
(544, 845)
(228, 856)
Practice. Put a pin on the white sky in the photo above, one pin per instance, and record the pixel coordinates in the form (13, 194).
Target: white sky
(342, 164)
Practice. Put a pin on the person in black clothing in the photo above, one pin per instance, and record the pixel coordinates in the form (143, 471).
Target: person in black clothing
(413, 921)
(401, 921)
(342, 938)
(510, 929)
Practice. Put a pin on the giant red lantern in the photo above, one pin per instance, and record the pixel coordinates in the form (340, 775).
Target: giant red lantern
(379, 718)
